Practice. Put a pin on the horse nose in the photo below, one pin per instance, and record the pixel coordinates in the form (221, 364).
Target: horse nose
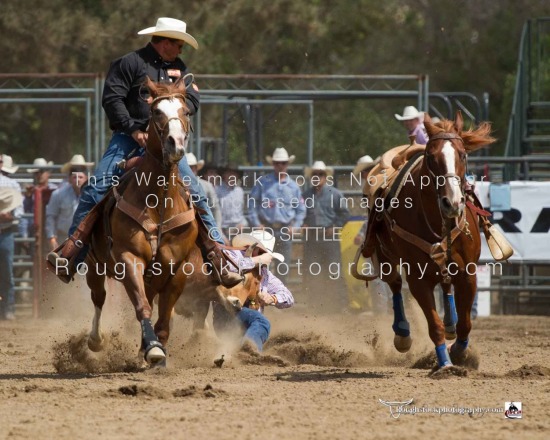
(446, 203)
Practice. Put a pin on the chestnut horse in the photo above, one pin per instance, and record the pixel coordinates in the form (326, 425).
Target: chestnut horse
(432, 234)
(152, 229)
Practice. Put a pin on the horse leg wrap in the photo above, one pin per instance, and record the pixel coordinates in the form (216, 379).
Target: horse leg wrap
(460, 345)
(149, 338)
(450, 319)
(443, 359)
(400, 324)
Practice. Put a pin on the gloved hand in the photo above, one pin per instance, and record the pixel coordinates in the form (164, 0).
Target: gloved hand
(263, 259)
(267, 299)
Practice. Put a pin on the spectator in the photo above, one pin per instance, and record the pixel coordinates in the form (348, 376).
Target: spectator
(11, 210)
(64, 200)
(327, 213)
(41, 182)
(231, 197)
(212, 175)
(276, 203)
(207, 187)
(413, 120)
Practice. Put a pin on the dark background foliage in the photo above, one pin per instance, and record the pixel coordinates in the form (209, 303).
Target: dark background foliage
(463, 45)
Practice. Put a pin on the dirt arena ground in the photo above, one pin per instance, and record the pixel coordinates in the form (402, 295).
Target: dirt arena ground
(336, 368)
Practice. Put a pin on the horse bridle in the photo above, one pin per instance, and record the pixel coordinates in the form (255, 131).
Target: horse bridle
(448, 136)
(445, 252)
(185, 123)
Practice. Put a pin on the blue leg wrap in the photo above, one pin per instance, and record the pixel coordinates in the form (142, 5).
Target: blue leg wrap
(450, 319)
(443, 358)
(400, 324)
(460, 344)
(149, 338)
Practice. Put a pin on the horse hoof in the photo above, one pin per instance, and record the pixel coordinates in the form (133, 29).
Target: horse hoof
(156, 357)
(95, 345)
(402, 343)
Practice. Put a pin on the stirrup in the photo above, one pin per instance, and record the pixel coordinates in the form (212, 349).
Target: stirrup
(225, 277)
(55, 261)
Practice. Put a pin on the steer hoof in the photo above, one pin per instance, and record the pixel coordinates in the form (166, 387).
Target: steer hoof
(402, 343)
(235, 302)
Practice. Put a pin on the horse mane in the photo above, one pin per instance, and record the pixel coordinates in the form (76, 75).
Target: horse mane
(166, 89)
(474, 139)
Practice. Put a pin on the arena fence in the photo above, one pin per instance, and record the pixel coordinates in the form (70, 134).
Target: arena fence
(521, 287)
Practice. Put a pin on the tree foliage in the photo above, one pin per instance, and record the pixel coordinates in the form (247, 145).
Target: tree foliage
(463, 45)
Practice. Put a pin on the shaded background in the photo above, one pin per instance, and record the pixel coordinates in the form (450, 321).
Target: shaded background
(468, 45)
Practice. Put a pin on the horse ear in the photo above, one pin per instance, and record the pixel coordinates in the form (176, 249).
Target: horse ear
(459, 122)
(180, 83)
(151, 86)
(430, 129)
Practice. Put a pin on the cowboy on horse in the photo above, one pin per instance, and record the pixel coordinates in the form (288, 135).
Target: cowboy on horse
(128, 111)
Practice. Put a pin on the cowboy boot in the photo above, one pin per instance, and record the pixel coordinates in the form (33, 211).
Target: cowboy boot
(214, 254)
(62, 260)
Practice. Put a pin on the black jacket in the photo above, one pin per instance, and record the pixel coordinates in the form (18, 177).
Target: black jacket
(123, 93)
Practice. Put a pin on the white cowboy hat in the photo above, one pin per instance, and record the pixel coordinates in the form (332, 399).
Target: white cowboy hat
(262, 238)
(318, 165)
(363, 163)
(7, 166)
(280, 155)
(10, 198)
(409, 112)
(76, 161)
(40, 164)
(171, 28)
(192, 160)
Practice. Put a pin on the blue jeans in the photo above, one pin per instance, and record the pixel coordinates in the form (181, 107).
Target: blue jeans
(123, 146)
(253, 324)
(7, 285)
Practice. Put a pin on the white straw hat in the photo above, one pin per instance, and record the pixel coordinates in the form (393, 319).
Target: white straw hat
(318, 165)
(280, 155)
(171, 28)
(7, 166)
(409, 112)
(40, 164)
(192, 160)
(363, 163)
(76, 161)
(10, 198)
(262, 238)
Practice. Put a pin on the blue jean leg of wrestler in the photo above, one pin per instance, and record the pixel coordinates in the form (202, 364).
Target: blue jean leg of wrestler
(7, 286)
(248, 323)
(257, 327)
